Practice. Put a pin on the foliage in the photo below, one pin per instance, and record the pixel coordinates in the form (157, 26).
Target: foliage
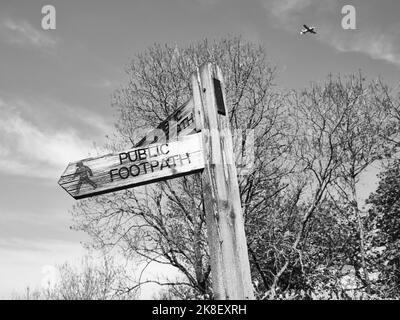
(384, 226)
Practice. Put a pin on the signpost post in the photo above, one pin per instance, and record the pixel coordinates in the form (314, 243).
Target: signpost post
(196, 138)
(230, 266)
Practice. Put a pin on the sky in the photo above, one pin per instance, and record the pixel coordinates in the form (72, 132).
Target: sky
(56, 87)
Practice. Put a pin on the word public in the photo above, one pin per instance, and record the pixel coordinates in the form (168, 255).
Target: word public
(149, 161)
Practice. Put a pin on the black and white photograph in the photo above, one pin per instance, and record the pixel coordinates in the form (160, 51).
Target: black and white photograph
(225, 152)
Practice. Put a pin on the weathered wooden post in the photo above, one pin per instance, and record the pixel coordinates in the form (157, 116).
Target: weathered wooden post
(226, 236)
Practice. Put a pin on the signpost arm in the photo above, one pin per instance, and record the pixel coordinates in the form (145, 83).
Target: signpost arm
(227, 241)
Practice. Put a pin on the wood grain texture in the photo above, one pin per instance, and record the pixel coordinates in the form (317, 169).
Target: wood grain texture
(228, 247)
(178, 124)
(134, 167)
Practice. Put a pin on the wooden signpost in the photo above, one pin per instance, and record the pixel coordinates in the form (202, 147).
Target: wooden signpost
(196, 138)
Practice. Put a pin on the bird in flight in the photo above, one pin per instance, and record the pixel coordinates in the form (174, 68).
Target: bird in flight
(307, 30)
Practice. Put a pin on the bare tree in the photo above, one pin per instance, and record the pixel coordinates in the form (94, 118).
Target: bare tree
(95, 279)
(365, 131)
(341, 128)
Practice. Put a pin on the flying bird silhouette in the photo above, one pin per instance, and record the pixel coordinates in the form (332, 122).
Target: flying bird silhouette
(308, 30)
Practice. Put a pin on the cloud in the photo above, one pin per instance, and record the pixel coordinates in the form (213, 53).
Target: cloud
(373, 40)
(291, 14)
(22, 33)
(51, 277)
(104, 84)
(29, 150)
(50, 112)
(377, 46)
(23, 267)
(286, 8)
(208, 3)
